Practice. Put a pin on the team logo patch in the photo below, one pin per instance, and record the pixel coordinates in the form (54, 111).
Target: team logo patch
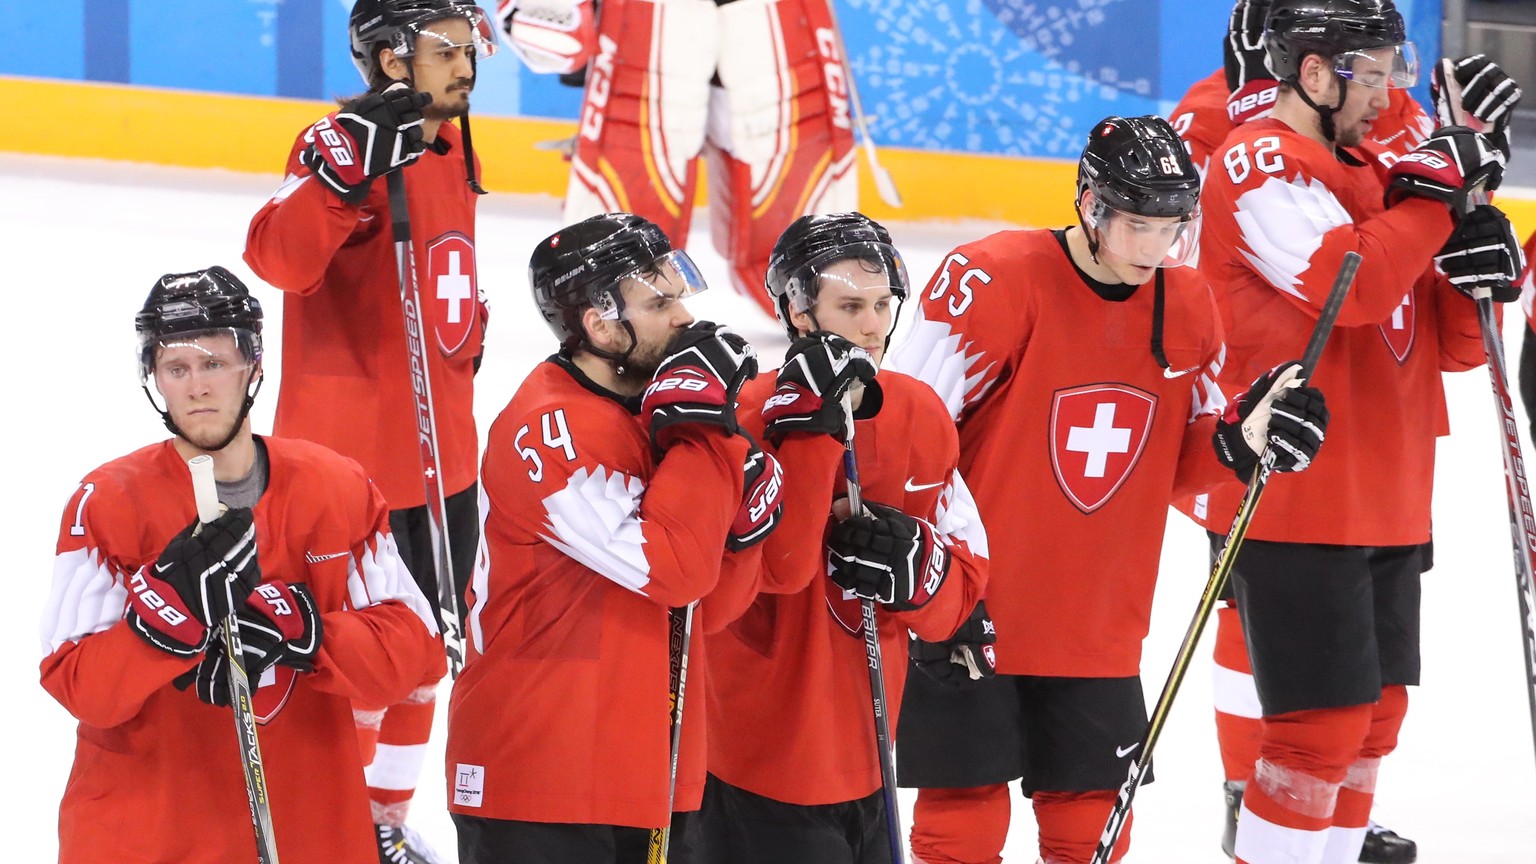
(846, 608)
(1098, 432)
(1398, 330)
(451, 289)
(270, 694)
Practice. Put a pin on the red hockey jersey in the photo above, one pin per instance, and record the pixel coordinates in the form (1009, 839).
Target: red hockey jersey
(789, 703)
(346, 373)
(1398, 329)
(157, 776)
(561, 712)
(1072, 436)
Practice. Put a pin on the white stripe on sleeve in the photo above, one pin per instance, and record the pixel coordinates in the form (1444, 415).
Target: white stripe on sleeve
(595, 519)
(86, 597)
(935, 354)
(379, 574)
(1283, 223)
(957, 517)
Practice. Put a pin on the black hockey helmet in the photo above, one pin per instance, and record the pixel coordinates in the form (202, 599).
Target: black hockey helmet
(395, 24)
(1296, 28)
(1139, 165)
(1243, 54)
(812, 243)
(583, 266)
(184, 306)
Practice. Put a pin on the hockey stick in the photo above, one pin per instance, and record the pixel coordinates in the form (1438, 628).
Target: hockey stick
(876, 664)
(1219, 573)
(426, 423)
(681, 621)
(884, 185)
(206, 493)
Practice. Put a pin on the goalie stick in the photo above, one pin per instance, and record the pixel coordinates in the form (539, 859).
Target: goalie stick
(884, 185)
(426, 423)
(1219, 574)
(1517, 489)
(875, 662)
(681, 632)
(206, 492)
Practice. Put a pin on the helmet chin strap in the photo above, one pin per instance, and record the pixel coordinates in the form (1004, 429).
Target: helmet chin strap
(1325, 112)
(619, 359)
(252, 387)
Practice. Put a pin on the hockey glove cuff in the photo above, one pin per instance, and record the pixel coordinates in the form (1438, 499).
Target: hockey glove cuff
(698, 382)
(368, 138)
(1454, 166)
(762, 500)
(817, 371)
(969, 655)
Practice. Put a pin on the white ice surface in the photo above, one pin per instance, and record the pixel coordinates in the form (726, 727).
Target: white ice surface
(83, 242)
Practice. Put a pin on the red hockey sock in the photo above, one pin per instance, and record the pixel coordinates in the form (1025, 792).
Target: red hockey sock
(397, 761)
(1359, 787)
(1071, 824)
(1239, 726)
(961, 826)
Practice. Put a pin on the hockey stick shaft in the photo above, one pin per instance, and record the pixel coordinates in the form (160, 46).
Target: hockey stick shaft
(205, 491)
(1220, 571)
(876, 663)
(884, 185)
(1522, 516)
(426, 423)
(681, 634)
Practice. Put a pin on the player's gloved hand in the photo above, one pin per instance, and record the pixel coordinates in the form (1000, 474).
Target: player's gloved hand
(1484, 254)
(762, 500)
(278, 625)
(969, 655)
(887, 556)
(1252, 101)
(698, 382)
(556, 36)
(1488, 97)
(193, 584)
(1243, 55)
(1277, 410)
(369, 137)
(817, 371)
(1454, 166)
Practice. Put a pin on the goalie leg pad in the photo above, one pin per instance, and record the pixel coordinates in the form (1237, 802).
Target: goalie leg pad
(783, 144)
(644, 111)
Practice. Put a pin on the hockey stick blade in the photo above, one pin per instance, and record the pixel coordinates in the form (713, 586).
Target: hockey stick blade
(205, 492)
(1220, 570)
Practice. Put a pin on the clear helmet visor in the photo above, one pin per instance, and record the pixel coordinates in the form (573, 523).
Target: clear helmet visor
(1145, 241)
(1393, 67)
(209, 355)
(856, 267)
(651, 290)
(481, 36)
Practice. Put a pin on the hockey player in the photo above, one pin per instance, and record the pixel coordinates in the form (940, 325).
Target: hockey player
(324, 239)
(1091, 342)
(1330, 606)
(1245, 90)
(614, 486)
(759, 88)
(792, 748)
(132, 632)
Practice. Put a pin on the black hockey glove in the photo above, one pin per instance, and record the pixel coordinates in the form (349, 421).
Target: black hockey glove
(1243, 55)
(1484, 254)
(1277, 410)
(1454, 166)
(762, 500)
(204, 571)
(698, 382)
(817, 371)
(969, 655)
(279, 625)
(1488, 97)
(887, 556)
(369, 137)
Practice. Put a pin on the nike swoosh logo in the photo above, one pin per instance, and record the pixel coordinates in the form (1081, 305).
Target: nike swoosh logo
(161, 568)
(914, 487)
(1170, 373)
(1122, 752)
(316, 559)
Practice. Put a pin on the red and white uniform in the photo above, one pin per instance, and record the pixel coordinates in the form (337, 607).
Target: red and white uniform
(157, 774)
(1399, 328)
(561, 713)
(758, 87)
(789, 708)
(1025, 354)
(346, 379)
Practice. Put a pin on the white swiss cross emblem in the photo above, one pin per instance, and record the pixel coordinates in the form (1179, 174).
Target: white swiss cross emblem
(451, 289)
(271, 693)
(1098, 432)
(1399, 328)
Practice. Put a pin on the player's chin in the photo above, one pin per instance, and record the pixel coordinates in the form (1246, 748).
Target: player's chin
(1136, 274)
(205, 431)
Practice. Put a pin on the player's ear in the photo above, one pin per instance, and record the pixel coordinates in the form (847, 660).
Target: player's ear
(1316, 73)
(801, 321)
(601, 333)
(393, 65)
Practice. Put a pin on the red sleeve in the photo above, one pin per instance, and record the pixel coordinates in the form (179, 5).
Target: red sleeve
(294, 236)
(1199, 470)
(1461, 336)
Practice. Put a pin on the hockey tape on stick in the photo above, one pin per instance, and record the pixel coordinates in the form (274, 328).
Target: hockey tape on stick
(1220, 571)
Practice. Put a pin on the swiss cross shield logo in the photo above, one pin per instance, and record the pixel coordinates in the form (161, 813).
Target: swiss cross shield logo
(1398, 330)
(1098, 432)
(450, 288)
(271, 693)
(846, 608)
